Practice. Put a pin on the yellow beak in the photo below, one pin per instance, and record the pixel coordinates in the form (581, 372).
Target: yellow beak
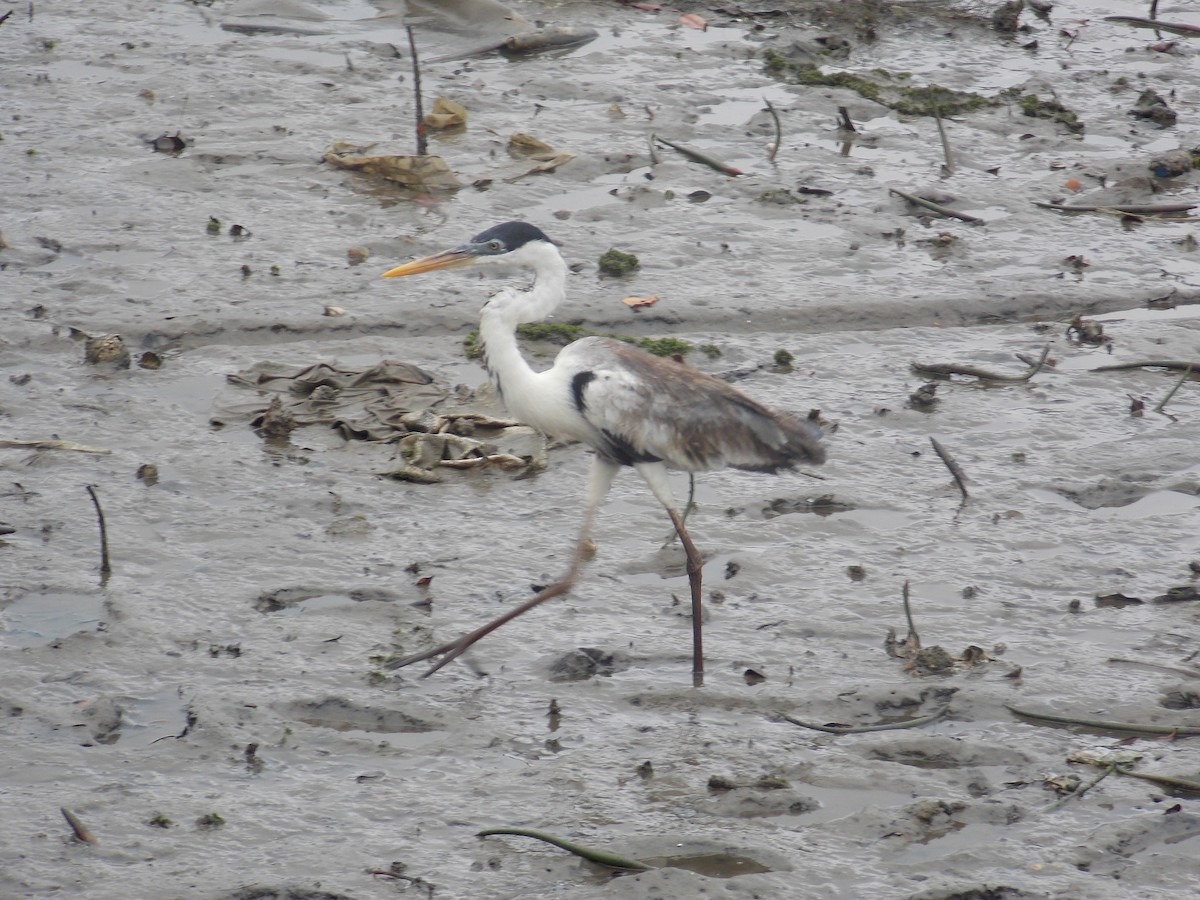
(447, 259)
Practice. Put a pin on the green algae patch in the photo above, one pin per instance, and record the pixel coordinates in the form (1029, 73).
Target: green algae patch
(891, 89)
(1037, 108)
(617, 262)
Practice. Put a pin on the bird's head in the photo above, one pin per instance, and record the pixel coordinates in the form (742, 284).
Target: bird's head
(511, 243)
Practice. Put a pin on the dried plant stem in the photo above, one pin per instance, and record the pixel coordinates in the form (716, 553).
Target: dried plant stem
(864, 729)
(912, 637)
(105, 563)
(944, 456)
(1075, 795)
(1127, 727)
(1171, 393)
(937, 207)
(422, 146)
(944, 370)
(778, 130)
(847, 124)
(945, 142)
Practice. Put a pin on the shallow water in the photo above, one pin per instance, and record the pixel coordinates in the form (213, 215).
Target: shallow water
(141, 695)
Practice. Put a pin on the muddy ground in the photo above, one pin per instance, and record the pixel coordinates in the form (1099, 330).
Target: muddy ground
(218, 712)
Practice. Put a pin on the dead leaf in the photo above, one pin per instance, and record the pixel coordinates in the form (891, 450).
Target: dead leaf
(446, 114)
(639, 302)
(527, 145)
(691, 20)
(417, 172)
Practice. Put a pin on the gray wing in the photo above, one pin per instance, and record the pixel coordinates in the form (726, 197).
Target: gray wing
(645, 408)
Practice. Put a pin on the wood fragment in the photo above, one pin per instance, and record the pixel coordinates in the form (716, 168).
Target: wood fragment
(1168, 781)
(863, 729)
(105, 563)
(847, 124)
(945, 370)
(778, 130)
(698, 156)
(1074, 795)
(937, 207)
(654, 160)
(945, 457)
(81, 832)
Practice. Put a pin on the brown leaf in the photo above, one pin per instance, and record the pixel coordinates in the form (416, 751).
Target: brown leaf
(639, 302)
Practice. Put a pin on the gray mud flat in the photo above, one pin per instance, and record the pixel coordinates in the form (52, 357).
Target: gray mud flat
(217, 713)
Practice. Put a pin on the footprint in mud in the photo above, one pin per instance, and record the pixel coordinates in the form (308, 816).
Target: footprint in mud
(342, 715)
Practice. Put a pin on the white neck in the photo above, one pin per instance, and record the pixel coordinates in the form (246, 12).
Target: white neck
(509, 308)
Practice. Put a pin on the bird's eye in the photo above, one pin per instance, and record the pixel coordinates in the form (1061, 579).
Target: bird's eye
(495, 246)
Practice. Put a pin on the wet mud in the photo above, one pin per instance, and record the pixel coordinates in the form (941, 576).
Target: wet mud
(218, 713)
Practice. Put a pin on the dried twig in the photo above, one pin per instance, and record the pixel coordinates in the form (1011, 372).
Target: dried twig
(937, 207)
(1167, 781)
(1174, 365)
(105, 564)
(1075, 795)
(1174, 670)
(77, 826)
(864, 729)
(422, 145)
(778, 130)
(959, 477)
(945, 370)
(912, 637)
(700, 157)
(1133, 209)
(1127, 727)
(1138, 22)
(847, 122)
(1171, 393)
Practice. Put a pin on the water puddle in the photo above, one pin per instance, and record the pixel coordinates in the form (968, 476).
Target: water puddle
(36, 619)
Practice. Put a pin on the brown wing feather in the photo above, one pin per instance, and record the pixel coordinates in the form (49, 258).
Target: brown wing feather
(662, 409)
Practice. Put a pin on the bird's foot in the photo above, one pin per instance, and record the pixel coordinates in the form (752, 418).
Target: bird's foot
(448, 652)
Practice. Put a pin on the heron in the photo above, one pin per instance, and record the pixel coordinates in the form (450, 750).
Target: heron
(632, 408)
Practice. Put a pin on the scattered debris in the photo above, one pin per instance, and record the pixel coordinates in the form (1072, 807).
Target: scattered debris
(446, 114)
(420, 173)
(1153, 107)
(107, 350)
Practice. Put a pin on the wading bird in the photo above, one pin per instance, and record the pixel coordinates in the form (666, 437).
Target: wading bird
(632, 408)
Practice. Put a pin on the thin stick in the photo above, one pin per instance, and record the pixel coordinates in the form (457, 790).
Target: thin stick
(77, 826)
(699, 157)
(1128, 727)
(422, 147)
(105, 564)
(945, 143)
(1173, 364)
(1108, 770)
(943, 370)
(1171, 393)
(1174, 670)
(912, 627)
(937, 207)
(864, 729)
(778, 131)
(1138, 22)
(1133, 209)
(945, 457)
(847, 122)
(1167, 781)
(654, 160)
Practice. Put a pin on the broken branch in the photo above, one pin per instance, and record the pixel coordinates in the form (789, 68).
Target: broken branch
(937, 207)
(944, 456)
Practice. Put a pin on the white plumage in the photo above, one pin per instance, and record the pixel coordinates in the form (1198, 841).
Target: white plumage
(633, 408)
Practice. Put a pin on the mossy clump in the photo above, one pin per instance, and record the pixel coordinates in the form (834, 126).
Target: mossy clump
(1036, 108)
(712, 351)
(210, 820)
(158, 820)
(667, 346)
(617, 262)
(883, 87)
(783, 358)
